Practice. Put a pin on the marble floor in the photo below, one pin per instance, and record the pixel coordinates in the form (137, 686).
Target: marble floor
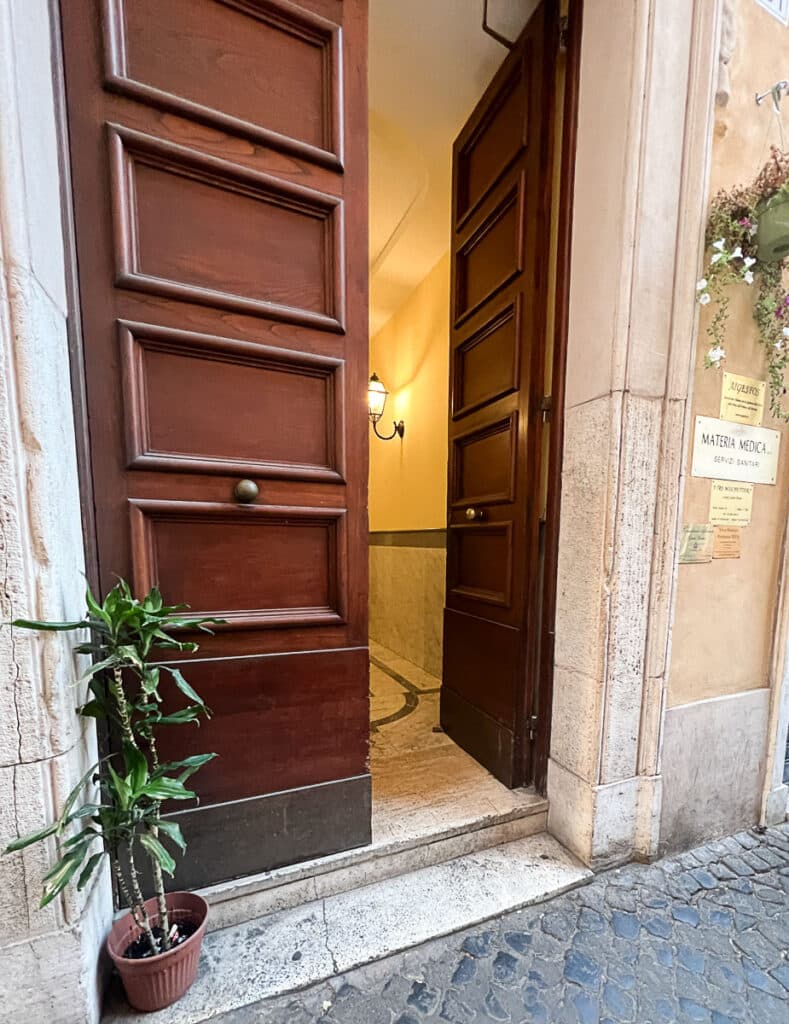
(421, 779)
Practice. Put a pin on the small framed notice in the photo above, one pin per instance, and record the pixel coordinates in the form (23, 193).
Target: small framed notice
(730, 503)
(742, 399)
(696, 544)
(727, 542)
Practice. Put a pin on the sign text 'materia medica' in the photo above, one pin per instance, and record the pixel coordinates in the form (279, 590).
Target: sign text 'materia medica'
(735, 451)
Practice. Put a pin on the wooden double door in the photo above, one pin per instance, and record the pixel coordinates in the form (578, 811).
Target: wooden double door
(219, 173)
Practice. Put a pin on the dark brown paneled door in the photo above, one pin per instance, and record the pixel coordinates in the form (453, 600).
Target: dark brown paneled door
(500, 255)
(219, 167)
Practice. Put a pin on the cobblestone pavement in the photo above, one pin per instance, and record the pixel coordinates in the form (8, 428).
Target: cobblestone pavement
(699, 937)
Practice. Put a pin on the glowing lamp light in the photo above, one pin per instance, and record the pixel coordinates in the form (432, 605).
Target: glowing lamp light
(376, 401)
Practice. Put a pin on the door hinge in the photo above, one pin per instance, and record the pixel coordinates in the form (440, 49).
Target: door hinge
(546, 407)
(564, 31)
(532, 726)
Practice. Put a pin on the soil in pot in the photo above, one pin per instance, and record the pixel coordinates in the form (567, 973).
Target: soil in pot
(140, 948)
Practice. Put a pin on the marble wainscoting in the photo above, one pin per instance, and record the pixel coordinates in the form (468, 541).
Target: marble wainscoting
(407, 578)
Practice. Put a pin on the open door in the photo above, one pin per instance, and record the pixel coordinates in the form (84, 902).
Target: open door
(502, 166)
(219, 169)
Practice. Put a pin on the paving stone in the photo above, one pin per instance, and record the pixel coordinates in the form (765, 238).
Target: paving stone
(659, 926)
(465, 971)
(581, 969)
(505, 968)
(519, 941)
(626, 926)
(699, 937)
(686, 914)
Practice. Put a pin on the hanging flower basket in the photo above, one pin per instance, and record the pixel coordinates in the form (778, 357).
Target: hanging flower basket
(748, 241)
(772, 233)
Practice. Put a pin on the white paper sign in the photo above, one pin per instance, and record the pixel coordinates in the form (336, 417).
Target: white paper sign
(735, 451)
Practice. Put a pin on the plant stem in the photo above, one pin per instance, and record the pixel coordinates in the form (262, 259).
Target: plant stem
(161, 900)
(138, 897)
(123, 706)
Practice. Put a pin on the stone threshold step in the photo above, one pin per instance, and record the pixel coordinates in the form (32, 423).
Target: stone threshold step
(244, 899)
(296, 948)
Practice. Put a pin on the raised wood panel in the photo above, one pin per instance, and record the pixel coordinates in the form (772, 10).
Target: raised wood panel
(479, 649)
(277, 68)
(194, 227)
(243, 408)
(483, 463)
(255, 566)
(267, 708)
(497, 140)
(492, 255)
(479, 562)
(486, 365)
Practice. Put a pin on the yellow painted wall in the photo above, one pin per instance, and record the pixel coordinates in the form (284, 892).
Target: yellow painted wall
(408, 478)
(724, 611)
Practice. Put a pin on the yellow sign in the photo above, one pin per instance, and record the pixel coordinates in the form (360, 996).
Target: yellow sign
(730, 503)
(696, 543)
(742, 399)
(727, 542)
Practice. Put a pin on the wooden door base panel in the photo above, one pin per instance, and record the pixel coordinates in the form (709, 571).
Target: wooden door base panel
(487, 740)
(245, 837)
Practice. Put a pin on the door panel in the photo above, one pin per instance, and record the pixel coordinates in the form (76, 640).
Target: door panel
(500, 245)
(219, 161)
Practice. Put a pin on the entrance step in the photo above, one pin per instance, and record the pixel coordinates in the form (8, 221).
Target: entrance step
(410, 842)
(293, 949)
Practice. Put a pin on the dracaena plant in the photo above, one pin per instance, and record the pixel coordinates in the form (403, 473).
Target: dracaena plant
(114, 810)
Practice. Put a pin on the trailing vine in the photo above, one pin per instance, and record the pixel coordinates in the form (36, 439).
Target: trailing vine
(732, 238)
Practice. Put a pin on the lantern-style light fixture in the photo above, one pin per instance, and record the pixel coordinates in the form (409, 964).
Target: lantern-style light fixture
(376, 400)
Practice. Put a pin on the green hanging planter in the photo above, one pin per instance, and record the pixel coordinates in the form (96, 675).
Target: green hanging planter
(772, 235)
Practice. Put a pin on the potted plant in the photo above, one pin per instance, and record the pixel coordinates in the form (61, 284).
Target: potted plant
(748, 240)
(115, 810)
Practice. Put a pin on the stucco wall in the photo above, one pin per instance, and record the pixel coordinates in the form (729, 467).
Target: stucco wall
(725, 615)
(408, 478)
(49, 956)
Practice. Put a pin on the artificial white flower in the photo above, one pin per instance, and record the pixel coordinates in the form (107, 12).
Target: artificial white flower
(748, 277)
(701, 285)
(720, 245)
(779, 344)
(716, 257)
(716, 354)
(737, 254)
(786, 332)
(748, 262)
(704, 299)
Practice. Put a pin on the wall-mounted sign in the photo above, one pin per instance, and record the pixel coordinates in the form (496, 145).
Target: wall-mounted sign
(726, 542)
(742, 399)
(730, 503)
(735, 451)
(696, 544)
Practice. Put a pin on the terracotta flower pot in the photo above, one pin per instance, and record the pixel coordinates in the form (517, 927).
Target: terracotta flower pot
(158, 981)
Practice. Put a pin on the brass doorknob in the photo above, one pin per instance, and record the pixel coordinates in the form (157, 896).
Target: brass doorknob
(246, 491)
(473, 514)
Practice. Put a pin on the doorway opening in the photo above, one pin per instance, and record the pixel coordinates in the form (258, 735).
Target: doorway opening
(463, 242)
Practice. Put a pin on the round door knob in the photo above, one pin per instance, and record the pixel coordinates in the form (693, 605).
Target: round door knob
(246, 491)
(473, 514)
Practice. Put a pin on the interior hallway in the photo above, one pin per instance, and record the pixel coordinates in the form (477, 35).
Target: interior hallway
(422, 781)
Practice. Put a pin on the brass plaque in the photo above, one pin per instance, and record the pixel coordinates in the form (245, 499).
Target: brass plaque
(730, 503)
(742, 399)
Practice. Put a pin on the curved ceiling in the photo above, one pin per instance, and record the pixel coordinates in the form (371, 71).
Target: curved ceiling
(430, 62)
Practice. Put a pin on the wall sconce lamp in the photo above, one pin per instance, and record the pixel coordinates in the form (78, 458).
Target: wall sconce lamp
(376, 400)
